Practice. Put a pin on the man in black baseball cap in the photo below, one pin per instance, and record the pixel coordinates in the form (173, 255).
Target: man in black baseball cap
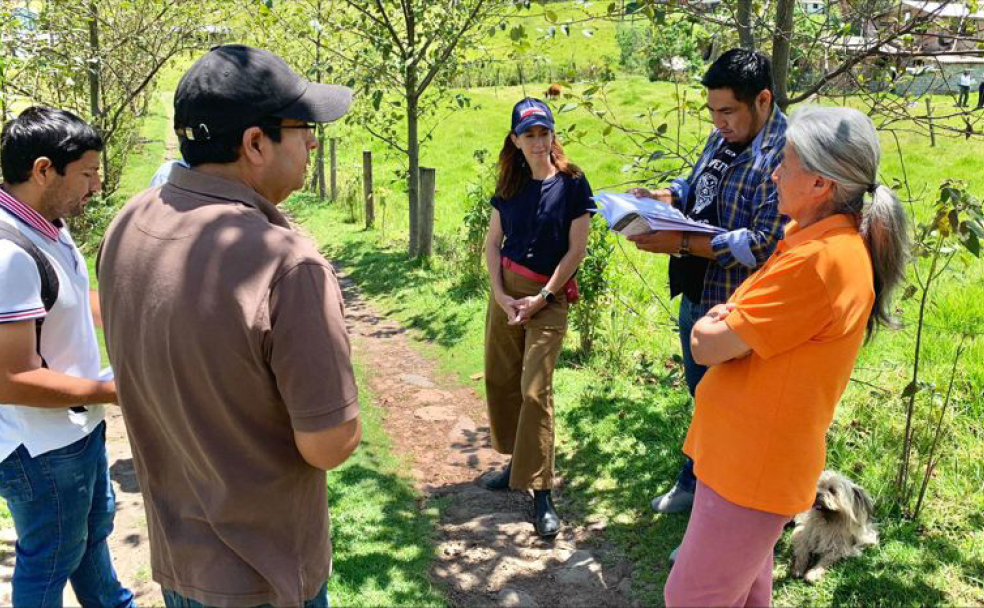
(233, 86)
(226, 331)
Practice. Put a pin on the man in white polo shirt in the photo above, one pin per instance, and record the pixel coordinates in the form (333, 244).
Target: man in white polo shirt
(54, 473)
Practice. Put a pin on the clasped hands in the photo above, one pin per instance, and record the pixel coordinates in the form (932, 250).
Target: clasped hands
(520, 310)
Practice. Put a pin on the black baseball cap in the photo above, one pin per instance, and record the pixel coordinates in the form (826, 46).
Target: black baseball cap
(233, 86)
(531, 112)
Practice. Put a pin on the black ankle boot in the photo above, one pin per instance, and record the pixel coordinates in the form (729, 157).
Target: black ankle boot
(547, 521)
(500, 480)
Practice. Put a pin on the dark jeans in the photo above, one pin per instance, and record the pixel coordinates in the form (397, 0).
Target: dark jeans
(693, 373)
(63, 505)
(980, 95)
(173, 600)
(964, 94)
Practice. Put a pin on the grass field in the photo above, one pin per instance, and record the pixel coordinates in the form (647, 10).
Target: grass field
(622, 415)
(619, 438)
(382, 546)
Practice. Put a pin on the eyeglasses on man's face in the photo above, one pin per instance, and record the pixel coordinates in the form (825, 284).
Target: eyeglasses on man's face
(310, 126)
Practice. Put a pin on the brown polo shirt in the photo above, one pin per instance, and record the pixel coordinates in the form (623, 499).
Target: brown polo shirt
(226, 333)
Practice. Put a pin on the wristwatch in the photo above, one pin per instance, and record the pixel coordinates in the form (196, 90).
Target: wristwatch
(684, 244)
(548, 296)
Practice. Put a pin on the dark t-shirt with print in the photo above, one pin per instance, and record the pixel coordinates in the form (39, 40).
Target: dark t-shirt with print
(537, 221)
(687, 272)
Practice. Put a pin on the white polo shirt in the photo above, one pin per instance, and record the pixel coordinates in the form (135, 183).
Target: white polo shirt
(68, 339)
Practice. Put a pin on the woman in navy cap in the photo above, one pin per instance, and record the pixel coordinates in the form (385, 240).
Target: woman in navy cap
(537, 237)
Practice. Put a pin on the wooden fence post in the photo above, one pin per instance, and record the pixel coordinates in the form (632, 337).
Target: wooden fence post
(332, 153)
(428, 178)
(367, 187)
(929, 118)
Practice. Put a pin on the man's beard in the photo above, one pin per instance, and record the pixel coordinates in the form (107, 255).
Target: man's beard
(57, 207)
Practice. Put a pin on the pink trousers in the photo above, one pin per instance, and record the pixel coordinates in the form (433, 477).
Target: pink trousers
(726, 555)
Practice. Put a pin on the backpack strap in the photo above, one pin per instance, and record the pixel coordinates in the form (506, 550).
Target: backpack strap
(49, 282)
(49, 278)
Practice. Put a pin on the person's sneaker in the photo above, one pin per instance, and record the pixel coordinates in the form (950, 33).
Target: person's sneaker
(499, 480)
(547, 522)
(677, 500)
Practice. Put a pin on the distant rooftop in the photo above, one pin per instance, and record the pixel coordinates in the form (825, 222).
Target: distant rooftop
(955, 10)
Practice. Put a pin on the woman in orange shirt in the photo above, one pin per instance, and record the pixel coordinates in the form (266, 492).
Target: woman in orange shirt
(782, 350)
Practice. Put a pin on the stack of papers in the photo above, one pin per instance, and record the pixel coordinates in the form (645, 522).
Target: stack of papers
(629, 216)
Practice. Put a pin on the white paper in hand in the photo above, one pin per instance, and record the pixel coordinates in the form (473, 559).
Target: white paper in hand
(628, 215)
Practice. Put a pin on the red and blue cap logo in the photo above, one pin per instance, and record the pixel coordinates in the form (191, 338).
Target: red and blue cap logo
(531, 112)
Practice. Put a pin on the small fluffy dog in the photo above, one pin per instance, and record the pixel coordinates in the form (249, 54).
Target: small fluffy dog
(838, 526)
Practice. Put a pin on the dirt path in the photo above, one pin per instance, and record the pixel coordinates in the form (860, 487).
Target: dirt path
(487, 552)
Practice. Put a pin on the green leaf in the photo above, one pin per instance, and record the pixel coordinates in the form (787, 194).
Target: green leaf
(658, 154)
(954, 218)
(948, 193)
(662, 128)
(972, 243)
(909, 292)
(567, 107)
(974, 227)
(607, 131)
(551, 16)
(911, 389)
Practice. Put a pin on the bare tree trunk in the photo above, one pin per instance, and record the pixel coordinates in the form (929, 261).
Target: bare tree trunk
(319, 169)
(413, 145)
(413, 155)
(745, 33)
(95, 77)
(780, 51)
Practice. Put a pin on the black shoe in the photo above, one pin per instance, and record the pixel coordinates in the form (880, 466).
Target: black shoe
(500, 480)
(547, 521)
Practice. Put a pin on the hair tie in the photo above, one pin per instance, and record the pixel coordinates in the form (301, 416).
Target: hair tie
(871, 189)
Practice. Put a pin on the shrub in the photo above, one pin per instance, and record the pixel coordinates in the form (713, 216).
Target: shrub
(592, 278)
(478, 213)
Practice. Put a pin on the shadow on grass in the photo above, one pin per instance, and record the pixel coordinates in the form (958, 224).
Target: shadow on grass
(898, 572)
(382, 538)
(388, 273)
(625, 450)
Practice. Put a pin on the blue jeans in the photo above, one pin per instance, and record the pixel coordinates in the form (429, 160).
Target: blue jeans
(174, 600)
(63, 505)
(693, 372)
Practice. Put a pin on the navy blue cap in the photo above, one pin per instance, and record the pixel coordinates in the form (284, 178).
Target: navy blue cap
(529, 113)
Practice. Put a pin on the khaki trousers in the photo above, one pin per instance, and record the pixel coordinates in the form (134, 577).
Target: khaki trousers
(519, 367)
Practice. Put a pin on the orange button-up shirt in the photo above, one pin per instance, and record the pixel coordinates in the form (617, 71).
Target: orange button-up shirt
(758, 432)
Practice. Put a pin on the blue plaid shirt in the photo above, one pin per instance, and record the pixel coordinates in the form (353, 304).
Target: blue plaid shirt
(748, 208)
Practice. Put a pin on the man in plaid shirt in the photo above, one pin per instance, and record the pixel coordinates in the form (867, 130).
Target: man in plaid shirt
(730, 187)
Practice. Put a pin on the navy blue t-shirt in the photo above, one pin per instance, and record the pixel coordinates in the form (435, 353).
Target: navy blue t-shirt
(537, 221)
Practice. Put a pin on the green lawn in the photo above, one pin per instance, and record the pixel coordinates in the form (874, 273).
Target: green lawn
(382, 539)
(623, 414)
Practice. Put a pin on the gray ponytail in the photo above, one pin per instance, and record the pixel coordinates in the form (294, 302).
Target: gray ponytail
(841, 144)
